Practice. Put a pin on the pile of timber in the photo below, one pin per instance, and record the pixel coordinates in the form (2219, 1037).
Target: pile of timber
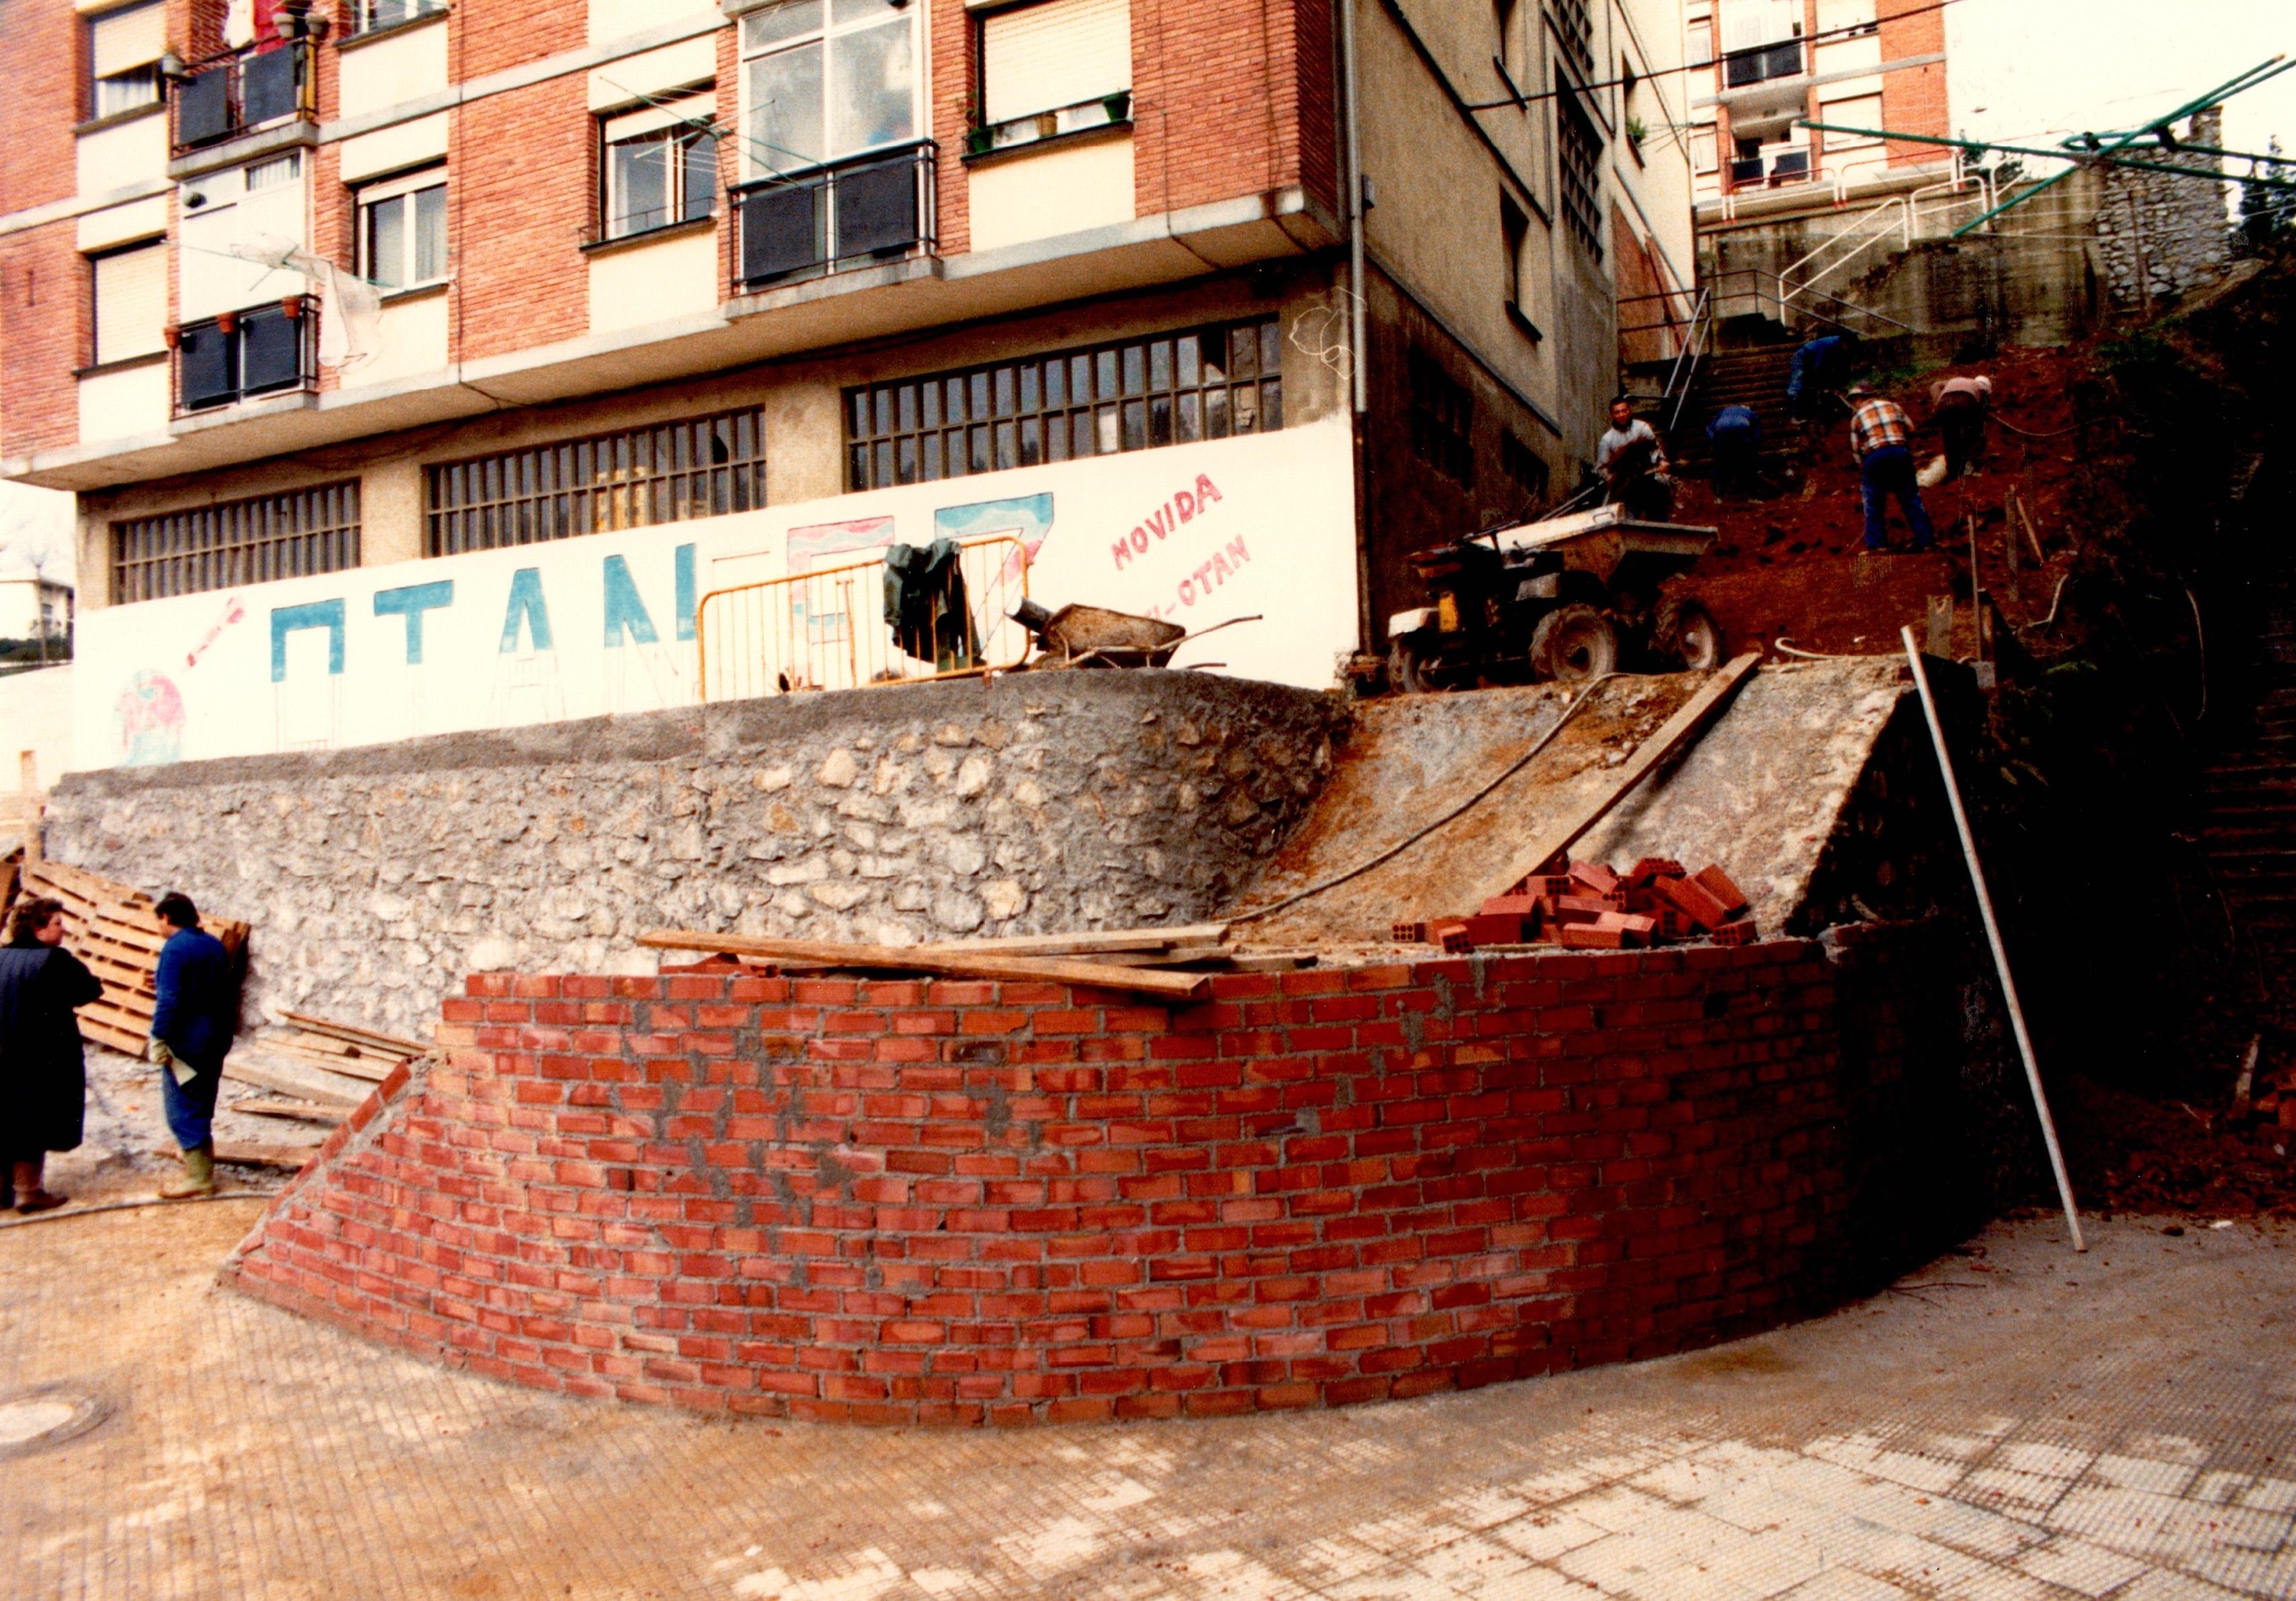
(317, 1070)
(1169, 964)
(116, 932)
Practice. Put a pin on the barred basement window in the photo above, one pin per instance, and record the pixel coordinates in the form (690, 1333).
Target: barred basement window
(1137, 394)
(1576, 31)
(670, 472)
(254, 541)
(1525, 467)
(1579, 155)
(1442, 420)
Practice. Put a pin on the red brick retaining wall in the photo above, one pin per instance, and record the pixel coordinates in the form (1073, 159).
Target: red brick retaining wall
(890, 1202)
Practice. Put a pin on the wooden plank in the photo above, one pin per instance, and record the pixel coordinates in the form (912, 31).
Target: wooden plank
(257, 1106)
(1088, 942)
(355, 1034)
(1679, 732)
(105, 1034)
(263, 1153)
(1165, 986)
(288, 1078)
(371, 1070)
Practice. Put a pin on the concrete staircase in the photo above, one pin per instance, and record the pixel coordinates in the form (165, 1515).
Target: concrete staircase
(2249, 835)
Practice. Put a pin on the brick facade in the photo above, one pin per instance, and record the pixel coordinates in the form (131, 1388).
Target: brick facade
(1914, 100)
(958, 1202)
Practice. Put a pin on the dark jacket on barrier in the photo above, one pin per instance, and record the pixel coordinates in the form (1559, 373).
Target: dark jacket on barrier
(197, 1008)
(926, 606)
(43, 1076)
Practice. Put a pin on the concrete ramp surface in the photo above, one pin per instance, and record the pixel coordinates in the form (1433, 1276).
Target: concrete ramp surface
(1760, 793)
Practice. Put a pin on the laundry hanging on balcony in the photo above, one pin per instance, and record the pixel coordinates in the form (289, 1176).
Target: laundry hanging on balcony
(351, 308)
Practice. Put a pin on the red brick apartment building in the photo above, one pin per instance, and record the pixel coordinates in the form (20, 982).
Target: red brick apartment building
(432, 364)
(1762, 67)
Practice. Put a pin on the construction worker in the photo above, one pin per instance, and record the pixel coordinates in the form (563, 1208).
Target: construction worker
(1820, 368)
(1879, 436)
(195, 1013)
(1960, 405)
(1632, 459)
(1735, 435)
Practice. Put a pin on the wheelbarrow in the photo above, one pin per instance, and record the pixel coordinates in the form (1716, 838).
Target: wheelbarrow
(1094, 636)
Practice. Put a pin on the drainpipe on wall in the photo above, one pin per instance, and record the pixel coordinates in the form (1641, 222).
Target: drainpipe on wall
(1358, 336)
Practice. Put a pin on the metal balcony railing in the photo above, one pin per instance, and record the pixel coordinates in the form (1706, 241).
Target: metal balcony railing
(235, 95)
(846, 214)
(269, 350)
(1743, 68)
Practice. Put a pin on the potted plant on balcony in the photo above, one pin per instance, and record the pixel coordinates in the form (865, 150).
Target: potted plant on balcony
(1636, 131)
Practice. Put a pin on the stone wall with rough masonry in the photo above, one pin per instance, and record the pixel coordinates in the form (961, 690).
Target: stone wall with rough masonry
(971, 1202)
(2159, 235)
(377, 877)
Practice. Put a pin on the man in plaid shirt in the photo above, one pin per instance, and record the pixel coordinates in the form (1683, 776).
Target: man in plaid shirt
(1879, 433)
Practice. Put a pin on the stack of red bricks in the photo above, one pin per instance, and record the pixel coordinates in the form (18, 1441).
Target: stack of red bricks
(1587, 906)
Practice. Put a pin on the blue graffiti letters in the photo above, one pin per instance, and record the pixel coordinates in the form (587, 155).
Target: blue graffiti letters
(316, 614)
(527, 604)
(625, 611)
(411, 603)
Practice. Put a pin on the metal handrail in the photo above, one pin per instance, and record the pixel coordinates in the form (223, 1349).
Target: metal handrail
(1763, 274)
(823, 216)
(793, 642)
(1685, 363)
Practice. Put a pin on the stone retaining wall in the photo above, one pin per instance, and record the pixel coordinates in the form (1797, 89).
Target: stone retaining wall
(957, 1202)
(377, 877)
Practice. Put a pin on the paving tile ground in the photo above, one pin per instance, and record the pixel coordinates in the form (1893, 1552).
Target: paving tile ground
(2011, 1422)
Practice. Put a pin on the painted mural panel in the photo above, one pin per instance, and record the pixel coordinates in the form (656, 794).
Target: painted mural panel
(607, 624)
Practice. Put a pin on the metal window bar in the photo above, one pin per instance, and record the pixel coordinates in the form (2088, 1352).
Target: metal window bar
(1580, 164)
(851, 212)
(233, 93)
(827, 630)
(668, 472)
(1102, 400)
(291, 536)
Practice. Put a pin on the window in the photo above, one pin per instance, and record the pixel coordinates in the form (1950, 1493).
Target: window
(1701, 39)
(1703, 158)
(1525, 468)
(1576, 31)
(666, 473)
(1514, 237)
(131, 303)
(1860, 112)
(1579, 156)
(123, 51)
(1510, 51)
(661, 167)
(1170, 389)
(827, 78)
(290, 535)
(1054, 67)
(402, 230)
(1442, 420)
(365, 16)
(1839, 20)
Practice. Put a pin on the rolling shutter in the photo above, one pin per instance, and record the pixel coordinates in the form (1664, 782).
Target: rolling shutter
(131, 303)
(1058, 53)
(122, 40)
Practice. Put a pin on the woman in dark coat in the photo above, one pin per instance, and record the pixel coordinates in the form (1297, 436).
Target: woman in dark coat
(42, 1076)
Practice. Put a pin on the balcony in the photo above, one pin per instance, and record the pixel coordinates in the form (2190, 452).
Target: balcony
(848, 214)
(1778, 164)
(270, 350)
(237, 94)
(1766, 63)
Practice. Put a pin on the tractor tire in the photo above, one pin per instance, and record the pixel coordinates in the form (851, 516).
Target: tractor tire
(1686, 635)
(1574, 643)
(1409, 670)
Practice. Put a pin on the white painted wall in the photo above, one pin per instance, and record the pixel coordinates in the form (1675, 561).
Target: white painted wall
(635, 79)
(393, 68)
(36, 715)
(1199, 532)
(135, 151)
(394, 149)
(412, 341)
(117, 225)
(124, 403)
(617, 19)
(652, 282)
(1064, 189)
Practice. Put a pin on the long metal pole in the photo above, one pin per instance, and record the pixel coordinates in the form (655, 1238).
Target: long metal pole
(1993, 939)
(2078, 157)
(1357, 334)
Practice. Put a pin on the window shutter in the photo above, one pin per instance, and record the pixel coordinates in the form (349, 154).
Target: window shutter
(696, 111)
(131, 303)
(1059, 54)
(1750, 24)
(127, 39)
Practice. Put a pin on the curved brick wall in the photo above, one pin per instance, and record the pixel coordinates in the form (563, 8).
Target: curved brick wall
(890, 1202)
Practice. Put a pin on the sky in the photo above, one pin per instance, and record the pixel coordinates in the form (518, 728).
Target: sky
(2023, 71)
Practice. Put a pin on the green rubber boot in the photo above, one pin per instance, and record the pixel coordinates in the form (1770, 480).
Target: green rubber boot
(198, 1179)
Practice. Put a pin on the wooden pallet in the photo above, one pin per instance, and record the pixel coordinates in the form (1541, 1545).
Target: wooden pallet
(116, 932)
